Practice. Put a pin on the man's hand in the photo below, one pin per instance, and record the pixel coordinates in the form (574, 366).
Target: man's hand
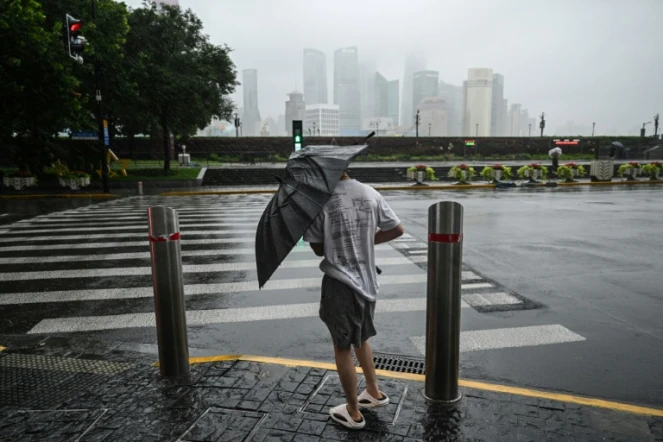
(385, 236)
(318, 248)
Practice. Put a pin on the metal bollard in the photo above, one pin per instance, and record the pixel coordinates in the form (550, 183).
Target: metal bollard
(166, 253)
(140, 187)
(445, 250)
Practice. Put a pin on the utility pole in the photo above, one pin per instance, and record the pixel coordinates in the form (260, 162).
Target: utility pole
(237, 125)
(529, 134)
(102, 123)
(429, 124)
(416, 123)
(476, 133)
(642, 131)
(656, 126)
(593, 126)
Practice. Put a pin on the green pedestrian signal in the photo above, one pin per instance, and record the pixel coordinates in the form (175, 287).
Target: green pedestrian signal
(297, 135)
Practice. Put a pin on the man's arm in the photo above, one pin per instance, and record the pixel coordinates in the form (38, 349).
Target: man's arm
(382, 237)
(318, 248)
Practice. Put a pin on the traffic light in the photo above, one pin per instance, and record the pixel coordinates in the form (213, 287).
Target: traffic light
(75, 42)
(297, 134)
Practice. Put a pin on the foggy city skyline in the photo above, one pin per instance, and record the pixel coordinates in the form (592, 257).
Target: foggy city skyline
(579, 62)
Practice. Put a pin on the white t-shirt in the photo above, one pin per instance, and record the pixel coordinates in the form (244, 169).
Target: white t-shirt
(347, 226)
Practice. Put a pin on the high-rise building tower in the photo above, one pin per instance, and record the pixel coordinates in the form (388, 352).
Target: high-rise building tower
(413, 63)
(478, 102)
(346, 89)
(251, 116)
(380, 96)
(393, 94)
(295, 109)
(367, 71)
(514, 120)
(453, 96)
(425, 84)
(497, 107)
(315, 77)
(433, 117)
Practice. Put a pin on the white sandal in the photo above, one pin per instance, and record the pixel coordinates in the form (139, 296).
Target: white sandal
(365, 400)
(341, 415)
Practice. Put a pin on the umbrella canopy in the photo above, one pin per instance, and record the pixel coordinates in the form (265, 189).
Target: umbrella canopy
(553, 151)
(617, 144)
(311, 175)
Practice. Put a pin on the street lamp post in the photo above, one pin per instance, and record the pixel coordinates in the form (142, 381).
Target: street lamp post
(529, 134)
(593, 126)
(477, 130)
(313, 128)
(655, 125)
(429, 125)
(416, 124)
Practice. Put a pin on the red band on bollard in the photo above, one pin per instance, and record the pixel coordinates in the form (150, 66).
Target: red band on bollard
(165, 238)
(445, 237)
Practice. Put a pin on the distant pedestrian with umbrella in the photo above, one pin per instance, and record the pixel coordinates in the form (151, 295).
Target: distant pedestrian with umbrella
(343, 220)
(554, 153)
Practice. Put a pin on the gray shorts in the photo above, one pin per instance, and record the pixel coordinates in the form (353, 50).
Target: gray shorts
(347, 314)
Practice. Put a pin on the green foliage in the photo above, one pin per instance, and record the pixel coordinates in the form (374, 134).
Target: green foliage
(652, 169)
(526, 171)
(214, 157)
(488, 172)
(462, 173)
(631, 169)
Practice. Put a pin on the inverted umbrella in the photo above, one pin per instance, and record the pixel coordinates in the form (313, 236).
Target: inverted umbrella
(311, 175)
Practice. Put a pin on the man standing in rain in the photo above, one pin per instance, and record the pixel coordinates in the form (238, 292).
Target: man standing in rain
(353, 221)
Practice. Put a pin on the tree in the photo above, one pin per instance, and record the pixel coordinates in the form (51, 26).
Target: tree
(183, 79)
(37, 86)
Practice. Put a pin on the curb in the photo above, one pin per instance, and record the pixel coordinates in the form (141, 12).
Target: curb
(411, 187)
(477, 385)
(61, 195)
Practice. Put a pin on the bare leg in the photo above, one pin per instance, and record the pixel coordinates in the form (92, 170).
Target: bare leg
(365, 358)
(347, 373)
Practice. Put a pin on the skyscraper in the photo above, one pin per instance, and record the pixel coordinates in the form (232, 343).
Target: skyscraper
(478, 102)
(295, 109)
(524, 123)
(425, 84)
(322, 120)
(367, 71)
(346, 89)
(393, 94)
(315, 77)
(414, 63)
(433, 117)
(514, 120)
(251, 116)
(497, 107)
(453, 96)
(380, 96)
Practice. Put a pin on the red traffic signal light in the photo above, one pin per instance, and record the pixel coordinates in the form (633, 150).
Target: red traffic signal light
(75, 41)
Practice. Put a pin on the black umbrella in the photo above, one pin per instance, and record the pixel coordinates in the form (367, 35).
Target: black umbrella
(311, 175)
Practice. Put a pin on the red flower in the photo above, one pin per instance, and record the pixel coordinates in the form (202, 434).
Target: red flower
(462, 166)
(571, 165)
(420, 167)
(535, 166)
(634, 164)
(498, 167)
(656, 163)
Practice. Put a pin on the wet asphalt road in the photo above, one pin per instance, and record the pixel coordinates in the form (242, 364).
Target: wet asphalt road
(586, 260)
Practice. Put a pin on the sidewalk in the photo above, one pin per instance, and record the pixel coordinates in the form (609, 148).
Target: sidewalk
(54, 398)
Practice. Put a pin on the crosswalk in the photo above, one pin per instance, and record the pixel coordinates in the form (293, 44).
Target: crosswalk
(87, 270)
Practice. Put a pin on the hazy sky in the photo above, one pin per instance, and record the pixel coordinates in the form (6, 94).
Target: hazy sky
(579, 60)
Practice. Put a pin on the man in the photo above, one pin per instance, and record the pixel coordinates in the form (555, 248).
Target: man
(353, 221)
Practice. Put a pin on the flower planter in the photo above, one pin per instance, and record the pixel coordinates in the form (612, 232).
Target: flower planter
(19, 183)
(421, 176)
(75, 183)
(411, 174)
(631, 173)
(498, 175)
(534, 175)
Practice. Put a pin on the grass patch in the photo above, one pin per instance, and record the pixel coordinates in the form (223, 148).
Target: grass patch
(188, 173)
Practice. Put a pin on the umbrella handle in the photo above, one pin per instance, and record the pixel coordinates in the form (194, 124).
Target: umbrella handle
(378, 269)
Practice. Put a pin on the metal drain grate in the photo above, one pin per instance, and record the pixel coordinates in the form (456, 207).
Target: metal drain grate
(398, 363)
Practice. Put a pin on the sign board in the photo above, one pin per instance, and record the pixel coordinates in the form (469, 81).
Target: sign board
(469, 142)
(106, 137)
(84, 136)
(566, 142)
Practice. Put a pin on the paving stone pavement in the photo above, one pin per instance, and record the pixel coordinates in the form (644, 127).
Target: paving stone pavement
(248, 401)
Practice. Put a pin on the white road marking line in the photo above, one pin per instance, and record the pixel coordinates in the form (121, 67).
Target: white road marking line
(214, 316)
(418, 252)
(513, 337)
(143, 226)
(484, 299)
(193, 289)
(112, 245)
(115, 219)
(203, 268)
(144, 255)
(109, 235)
